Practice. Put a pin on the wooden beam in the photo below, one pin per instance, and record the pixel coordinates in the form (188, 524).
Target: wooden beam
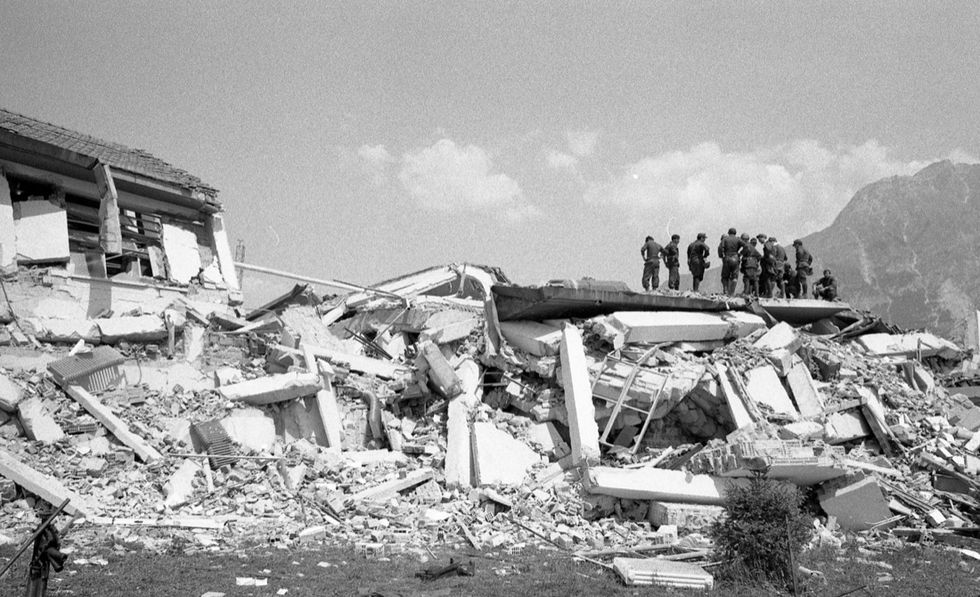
(114, 424)
(110, 233)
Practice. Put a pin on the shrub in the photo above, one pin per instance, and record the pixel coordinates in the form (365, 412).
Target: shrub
(763, 533)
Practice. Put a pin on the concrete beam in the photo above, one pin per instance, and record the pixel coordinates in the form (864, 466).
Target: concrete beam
(578, 397)
(658, 484)
(8, 239)
(110, 232)
(215, 226)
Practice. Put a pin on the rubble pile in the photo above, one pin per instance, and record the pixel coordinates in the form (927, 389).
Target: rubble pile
(412, 413)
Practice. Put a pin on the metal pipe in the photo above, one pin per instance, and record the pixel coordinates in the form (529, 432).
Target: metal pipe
(331, 283)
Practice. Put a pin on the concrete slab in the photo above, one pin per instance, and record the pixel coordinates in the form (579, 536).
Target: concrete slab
(678, 326)
(907, 344)
(45, 487)
(180, 487)
(532, 337)
(662, 572)
(498, 458)
(10, 394)
(690, 518)
(272, 388)
(764, 387)
(183, 257)
(144, 328)
(844, 427)
(658, 484)
(578, 398)
(781, 336)
(251, 428)
(459, 441)
(65, 331)
(857, 505)
(38, 423)
(804, 392)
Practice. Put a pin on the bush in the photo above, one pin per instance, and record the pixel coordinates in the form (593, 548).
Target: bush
(763, 533)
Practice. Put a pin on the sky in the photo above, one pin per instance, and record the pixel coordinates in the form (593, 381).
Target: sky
(362, 140)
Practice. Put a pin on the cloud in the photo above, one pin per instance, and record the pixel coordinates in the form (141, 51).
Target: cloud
(374, 161)
(789, 190)
(559, 160)
(582, 143)
(447, 177)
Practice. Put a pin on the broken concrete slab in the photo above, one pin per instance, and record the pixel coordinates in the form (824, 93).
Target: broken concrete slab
(734, 399)
(459, 442)
(226, 376)
(65, 331)
(658, 484)
(180, 487)
(764, 387)
(251, 428)
(10, 394)
(781, 336)
(38, 423)
(857, 504)
(691, 518)
(584, 433)
(45, 487)
(651, 327)
(183, 256)
(908, 345)
(41, 230)
(272, 388)
(963, 412)
(390, 488)
(801, 430)
(803, 390)
(845, 426)
(442, 378)
(498, 458)
(533, 337)
(144, 328)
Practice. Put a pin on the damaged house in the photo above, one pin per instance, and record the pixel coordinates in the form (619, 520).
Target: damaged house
(114, 228)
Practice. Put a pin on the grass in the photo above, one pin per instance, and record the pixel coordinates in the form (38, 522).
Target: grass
(911, 571)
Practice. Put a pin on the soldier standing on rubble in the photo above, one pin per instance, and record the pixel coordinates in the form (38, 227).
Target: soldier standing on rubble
(767, 266)
(804, 261)
(650, 251)
(826, 287)
(672, 260)
(751, 262)
(779, 263)
(728, 250)
(697, 259)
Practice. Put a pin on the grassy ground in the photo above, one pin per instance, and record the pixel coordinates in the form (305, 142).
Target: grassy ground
(911, 571)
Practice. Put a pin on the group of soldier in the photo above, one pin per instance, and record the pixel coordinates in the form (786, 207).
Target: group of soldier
(763, 263)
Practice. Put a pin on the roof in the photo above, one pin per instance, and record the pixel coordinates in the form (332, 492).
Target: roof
(117, 156)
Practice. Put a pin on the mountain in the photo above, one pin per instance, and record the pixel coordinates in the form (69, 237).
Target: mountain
(908, 248)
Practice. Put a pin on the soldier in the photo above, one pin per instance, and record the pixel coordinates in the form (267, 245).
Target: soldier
(728, 250)
(791, 286)
(751, 267)
(672, 260)
(650, 251)
(768, 272)
(697, 259)
(826, 287)
(779, 262)
(804, 261)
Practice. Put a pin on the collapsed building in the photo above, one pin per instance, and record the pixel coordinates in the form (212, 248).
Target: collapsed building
(447, 405)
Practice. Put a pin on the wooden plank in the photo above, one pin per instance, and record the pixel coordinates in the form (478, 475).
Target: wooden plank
(390, 488)
(114, 424)
(45, 487)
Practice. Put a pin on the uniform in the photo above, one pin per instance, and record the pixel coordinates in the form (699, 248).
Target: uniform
(672, 260)
(728, 250)
(803, 268)
(826, 288)
(650, 251)
(697, 260)
(751, 269)
(779, 268)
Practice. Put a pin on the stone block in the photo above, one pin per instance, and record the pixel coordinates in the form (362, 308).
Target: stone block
(781, 336)
(845, 426)
(10, 394)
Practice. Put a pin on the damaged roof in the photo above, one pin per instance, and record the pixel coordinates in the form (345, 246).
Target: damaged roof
(137, 161)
